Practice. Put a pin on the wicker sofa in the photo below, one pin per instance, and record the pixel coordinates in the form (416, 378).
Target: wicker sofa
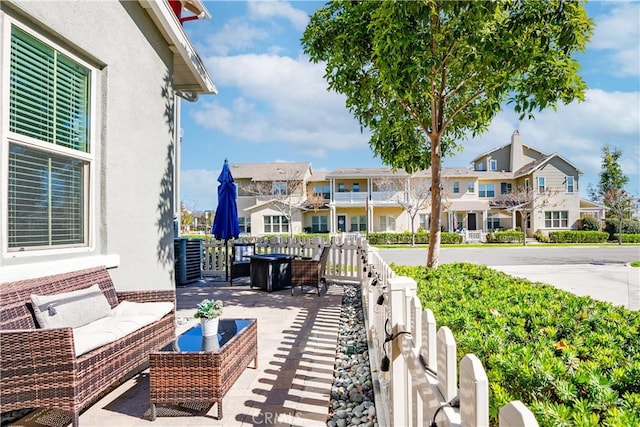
(43, 367)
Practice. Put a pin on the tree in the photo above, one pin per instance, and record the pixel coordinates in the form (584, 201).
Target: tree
(527, 201)
(619, 203)
(611, 176)
(186, 219)
(423, 74)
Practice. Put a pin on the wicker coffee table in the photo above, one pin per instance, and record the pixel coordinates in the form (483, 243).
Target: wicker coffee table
(198, 369)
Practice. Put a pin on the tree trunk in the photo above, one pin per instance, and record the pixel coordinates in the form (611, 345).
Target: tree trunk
(436, 202)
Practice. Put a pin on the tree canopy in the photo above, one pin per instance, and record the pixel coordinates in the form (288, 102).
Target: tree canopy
(611, 177)
(424, 75)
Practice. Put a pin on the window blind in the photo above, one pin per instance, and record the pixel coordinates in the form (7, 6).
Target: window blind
(48, 94)
(46, 193)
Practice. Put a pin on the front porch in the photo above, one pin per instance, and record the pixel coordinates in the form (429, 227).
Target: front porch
(297, 338)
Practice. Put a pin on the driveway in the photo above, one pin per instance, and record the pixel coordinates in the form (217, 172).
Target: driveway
(600, 272)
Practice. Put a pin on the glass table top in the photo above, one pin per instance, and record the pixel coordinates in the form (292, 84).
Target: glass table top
(193, 341)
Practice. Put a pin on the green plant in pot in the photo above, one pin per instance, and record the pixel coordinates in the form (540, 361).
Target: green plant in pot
(209, 312)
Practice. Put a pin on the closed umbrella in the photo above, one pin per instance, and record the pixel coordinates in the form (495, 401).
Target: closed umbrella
(225, 223)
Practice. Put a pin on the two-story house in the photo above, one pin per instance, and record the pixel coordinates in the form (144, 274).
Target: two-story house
(514, 185)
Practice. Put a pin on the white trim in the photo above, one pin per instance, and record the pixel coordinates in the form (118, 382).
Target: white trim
(90, 229)
(12, 273)
(179, 42)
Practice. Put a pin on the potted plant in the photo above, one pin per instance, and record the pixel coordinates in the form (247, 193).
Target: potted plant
(209, 312)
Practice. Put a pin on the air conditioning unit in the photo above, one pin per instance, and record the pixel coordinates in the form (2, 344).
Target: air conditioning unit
(188, 260)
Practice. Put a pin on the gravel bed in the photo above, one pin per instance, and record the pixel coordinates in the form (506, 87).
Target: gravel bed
(352, 399)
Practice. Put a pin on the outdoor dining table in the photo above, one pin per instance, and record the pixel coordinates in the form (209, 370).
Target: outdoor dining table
(271, 272)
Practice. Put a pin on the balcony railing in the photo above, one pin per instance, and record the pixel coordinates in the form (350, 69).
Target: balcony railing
(377, 197)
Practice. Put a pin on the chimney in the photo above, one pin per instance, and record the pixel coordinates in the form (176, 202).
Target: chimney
(517, 154)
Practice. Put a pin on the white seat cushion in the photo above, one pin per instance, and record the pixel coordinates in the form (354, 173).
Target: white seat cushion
(127, 317)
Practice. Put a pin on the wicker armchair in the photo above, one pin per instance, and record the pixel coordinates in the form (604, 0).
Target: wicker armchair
(310, 272)
(240, 261)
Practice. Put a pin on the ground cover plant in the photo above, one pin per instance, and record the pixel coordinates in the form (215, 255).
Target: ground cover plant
(572, 360)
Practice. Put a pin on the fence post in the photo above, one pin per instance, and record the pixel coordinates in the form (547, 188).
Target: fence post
(428, 350)
(516, 414)
(447, 370)
(474, 392)
(401, 409)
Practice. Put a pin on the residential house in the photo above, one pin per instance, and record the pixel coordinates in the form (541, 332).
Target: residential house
(90, 124)
(512, 186)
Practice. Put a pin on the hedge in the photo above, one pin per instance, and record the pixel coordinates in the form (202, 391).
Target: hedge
(507, 236)
(628, 238)
(629, 226)
(572, 360)
(578, 236)
(446, 238)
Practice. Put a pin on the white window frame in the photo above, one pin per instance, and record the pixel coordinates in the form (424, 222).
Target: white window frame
(321, 222)
(387, 223)
(485, 189)
(570, 185)
(276, 224)
(279, 188)
(7, 138)
(541, 184)
(471, 187)
(360, 221)
(424, 221)
(456, 187)
(244, 222)
(556, 219)
(493, 165)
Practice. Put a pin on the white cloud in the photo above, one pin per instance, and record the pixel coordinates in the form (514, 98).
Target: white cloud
(281, 99)
(235, 35)
(278, 9)
(619, 34)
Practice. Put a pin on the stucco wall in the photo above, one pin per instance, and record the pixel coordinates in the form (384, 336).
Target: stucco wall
(134, 136)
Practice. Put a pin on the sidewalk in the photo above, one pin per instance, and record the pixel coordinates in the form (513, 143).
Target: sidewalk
(297, 338)
(618, 284)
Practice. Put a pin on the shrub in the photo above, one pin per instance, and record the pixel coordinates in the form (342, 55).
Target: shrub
(541, 237)
(576, 236)
(590, 223)
(628, 238)
(508, 236)
(629, 226)
(572, 360)
(405, 238)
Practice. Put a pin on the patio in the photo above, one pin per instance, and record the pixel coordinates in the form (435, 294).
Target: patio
(297, 338)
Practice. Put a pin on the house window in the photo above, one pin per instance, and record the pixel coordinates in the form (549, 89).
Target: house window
(49, 146)
(424, 221)
(319, 224)
(456, 187)
(322, 190)
(279, 188)
(245, 224)
(481, 166)
(556, 219)
(493, 165)
(541, 182)
(570, 187)
(527, 186)
(356, 187)
(341, 188)
(486, 190)
(470, 187)
(358, 223)
(276, 224)
(493, 222)
(387, 223)
(505, 187)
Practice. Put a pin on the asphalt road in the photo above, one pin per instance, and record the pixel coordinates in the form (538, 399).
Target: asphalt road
(525, 255)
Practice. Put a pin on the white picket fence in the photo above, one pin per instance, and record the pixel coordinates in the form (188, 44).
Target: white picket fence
(422, 376)
(418, 373)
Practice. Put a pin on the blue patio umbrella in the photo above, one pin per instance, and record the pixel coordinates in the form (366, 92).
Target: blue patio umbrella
(225, 223)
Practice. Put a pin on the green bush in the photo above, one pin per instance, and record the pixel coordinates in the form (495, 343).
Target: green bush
(590, 223)
(541, 237)
(577, 236)
(405, 238)
(507, 236)
(572, 360)
(628, 238)
(629, 226)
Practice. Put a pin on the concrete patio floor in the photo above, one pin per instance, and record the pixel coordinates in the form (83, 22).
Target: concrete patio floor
(297, 337)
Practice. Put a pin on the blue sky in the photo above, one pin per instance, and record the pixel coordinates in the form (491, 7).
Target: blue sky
(273, 104)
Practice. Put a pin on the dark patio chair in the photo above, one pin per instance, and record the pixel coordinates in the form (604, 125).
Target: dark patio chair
(310, 272)
(241, 261)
